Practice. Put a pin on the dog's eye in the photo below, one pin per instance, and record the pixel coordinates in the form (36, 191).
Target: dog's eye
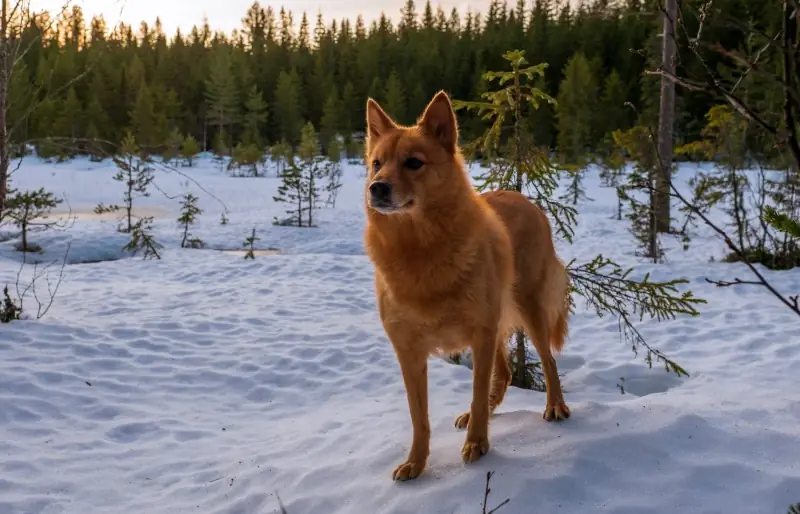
(413, 163)
(376, 165)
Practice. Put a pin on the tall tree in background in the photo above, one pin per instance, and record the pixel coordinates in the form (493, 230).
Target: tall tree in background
(220, 94)
(577, 100)
(254, 117)
(666, 118)
(287, 107)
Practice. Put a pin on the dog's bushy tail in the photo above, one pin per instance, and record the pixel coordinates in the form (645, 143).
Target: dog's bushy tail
(558, 306)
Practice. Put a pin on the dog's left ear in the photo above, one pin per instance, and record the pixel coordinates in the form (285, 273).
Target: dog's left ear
(439, 121)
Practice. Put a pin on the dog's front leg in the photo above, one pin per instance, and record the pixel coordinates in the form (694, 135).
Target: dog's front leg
(477, 442)
(414, 365)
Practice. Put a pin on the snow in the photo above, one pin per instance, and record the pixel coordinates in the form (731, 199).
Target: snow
(205, 382)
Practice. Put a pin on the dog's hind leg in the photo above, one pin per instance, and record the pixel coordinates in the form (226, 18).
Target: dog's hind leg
(544, 338)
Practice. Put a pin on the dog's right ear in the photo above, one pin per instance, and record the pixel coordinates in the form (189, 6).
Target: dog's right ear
(378, 122)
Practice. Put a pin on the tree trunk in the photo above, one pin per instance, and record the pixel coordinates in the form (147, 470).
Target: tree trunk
(4, 78)
(522, 359)
(666, 119)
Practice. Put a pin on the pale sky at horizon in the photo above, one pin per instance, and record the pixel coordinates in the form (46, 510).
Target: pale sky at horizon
(227, 15)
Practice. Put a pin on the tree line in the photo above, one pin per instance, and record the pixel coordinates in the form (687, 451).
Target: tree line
(261, 83)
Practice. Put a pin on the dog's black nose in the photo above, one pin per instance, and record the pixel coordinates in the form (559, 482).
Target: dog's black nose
(380, 190)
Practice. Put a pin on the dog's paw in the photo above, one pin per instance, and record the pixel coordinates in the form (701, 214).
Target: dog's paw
(474, 450)
(462, 420)
(408, 470)
(557, 411)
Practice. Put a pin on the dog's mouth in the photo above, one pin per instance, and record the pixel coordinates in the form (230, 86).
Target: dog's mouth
(384, 207)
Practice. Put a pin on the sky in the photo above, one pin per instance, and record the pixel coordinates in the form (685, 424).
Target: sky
(227, 14)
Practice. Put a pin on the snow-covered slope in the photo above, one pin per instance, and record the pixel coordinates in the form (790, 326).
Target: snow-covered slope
(205, 382)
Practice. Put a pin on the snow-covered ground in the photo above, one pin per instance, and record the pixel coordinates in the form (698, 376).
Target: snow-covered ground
(208, 383)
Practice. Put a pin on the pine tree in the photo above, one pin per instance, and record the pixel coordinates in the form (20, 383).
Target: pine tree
(69, 123)
(287, 107)
(601, 282)
(143, 119)
(612, 113)
(189, 148)
(220, 95)
(331, 124)
(254, 117)
(576, 99)
(395, 98)
(25, 208)
(189, 213)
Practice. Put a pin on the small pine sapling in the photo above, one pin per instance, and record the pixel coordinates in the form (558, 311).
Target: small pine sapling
(575, 191)
(189, 213)
(723, 140)
(136, 173)
(142, 239)
(281, 154)
(247, 156)
(189, 149)
(611, 173)
(603, 284)
(335, 149)
(25, 208)
(314, 168)
(517, 163)
(172, 148)
(9, 309)
(641, 179)
(249, 243)
(290, 191)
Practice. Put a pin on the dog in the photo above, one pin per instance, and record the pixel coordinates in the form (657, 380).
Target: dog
(455, 269)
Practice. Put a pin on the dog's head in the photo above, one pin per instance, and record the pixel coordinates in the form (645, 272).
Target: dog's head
(411, 167)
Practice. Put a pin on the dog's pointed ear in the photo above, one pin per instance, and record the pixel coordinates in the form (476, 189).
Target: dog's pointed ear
(378, 122)
(439, 121)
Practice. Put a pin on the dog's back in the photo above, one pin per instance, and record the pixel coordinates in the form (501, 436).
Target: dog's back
(541, 281)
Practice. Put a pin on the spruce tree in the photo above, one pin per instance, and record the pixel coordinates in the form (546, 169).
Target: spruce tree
(331, 124)
(143, 119)
(287, 107)
(220, 95)
(254, 117)
(576, 99)
(395, 99)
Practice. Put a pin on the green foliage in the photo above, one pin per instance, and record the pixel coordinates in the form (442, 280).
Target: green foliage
(136, 173)
(722, 141)
(249, 243)
(143, 117)
(254, 118)
(248, 156)
(287, 107)
(189, 213)
(607, 289)
(202, 81)
(332, 122)
(517, 163)
(301, 181)
(221, 97)
(604, 285)
(577, 100)
(639, 189)
(10, 310)
(782, 222)
(24, 208)
(172, 148)
(189, 148)
(142, 239)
